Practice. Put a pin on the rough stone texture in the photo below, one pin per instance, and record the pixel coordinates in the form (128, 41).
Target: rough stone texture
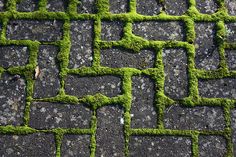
(230, 32)
(233, 127)
(47, 84)
(118, 6)
(13, 56)
(196, 118)
(157, 30)
(35, 145)
(164, 146)
(45, 115)
(176, 7)
(110, 132)
(119, 58)
(148, 7)
(143, 111)
(81, 44)
(12, 99)
(75, 145)
(44, 30)
(2, 5)
(27, 5)
(87, 7)
(231, 6)
(218, 88)
(231, 59)
(207, 55)
(56, 5)
(175, 68)
(112, 30)
(206, 6)
(212, 146)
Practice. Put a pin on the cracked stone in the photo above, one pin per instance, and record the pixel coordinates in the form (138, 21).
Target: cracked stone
(206, 6)
(112, 30)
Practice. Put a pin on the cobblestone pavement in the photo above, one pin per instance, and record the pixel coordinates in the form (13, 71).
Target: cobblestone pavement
(106, 78)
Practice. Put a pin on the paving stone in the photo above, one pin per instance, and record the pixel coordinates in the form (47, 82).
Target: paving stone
(81, 86)
(212, 146)
(46, 115)
(110, 132)
(148, 7)
(231, 59)
(56, 5)
(118, 6)
(2, 5)
(164, 146)
(47, 84)
(12, 99)
(231, 6)
(206, 7)
(233, 127)
(35, 145)
(13, 56)
(45, 30)
(143, 111)
(112, 30)
(207, 55)
(27, 5)
(218, 88)
(175, 68)
(230, 32)
(176, 7)
(87, 6)
(75, 145)
(119, 58)
(81, 44)
(159, 30)
(195, 118)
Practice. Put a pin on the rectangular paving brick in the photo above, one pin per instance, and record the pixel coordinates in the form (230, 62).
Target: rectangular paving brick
(2, 5)
(44, 115)
(12, 99)
(47, 84)
(148, 7)
(118, 6)
(112, 30)
(164, 146)
(57, 5)
(32, 145)
(175, 68)
(159, 30)
(34, 30)
(87, 7)
(196, 118)
(176, 7)
(27, 5)
(218, 88)
(230, 32)
(110, 132)
(143, 109)
(81, 86)
(233, 127)
(13, 56)
(206, 7)
(120, 58)
(207, 55)
(81, 44)
(231, 6)
(75, 145)
(231, 59)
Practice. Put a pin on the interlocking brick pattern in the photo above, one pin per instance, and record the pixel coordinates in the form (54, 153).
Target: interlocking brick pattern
(117, 78)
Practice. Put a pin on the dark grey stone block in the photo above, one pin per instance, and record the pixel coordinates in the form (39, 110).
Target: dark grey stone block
(196, 118)
(176, 7)
(119, 58)
(143, 111)
(27, 5)
(218, 88)
(81, 44)
(233, 127)
(164, 146)
(206, 6)
(112, 30)
(87, 7)
(32, 145)
(207, 55)
(2, 5)
(13, 56)
(12, 99)
(231, 59)
(81, 86)
(75, 145)
(230, 32)
(110, 132)
(47, 84)
(231, 6)
(212, 146)
(175, 68)
(148, 7)
(44, 30)
(44, 115)
(118, 6)
(158, 30)
(56, 5)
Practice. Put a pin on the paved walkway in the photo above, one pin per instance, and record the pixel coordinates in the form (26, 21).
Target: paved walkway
(104, 78)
